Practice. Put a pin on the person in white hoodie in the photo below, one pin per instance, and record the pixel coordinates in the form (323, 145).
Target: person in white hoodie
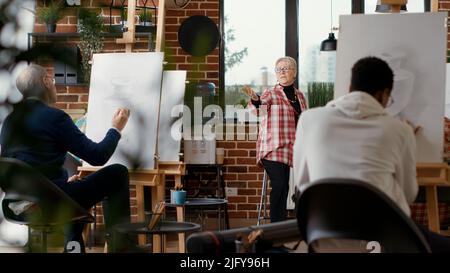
(354, 137)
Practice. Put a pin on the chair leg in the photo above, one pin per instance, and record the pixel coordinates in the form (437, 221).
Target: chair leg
(30, 241)
(44, 241)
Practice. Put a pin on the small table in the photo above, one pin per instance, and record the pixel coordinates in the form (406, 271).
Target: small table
(162, 228)
(202, 204)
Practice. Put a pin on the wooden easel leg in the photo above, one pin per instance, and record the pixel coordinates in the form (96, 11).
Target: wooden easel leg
(432, 208)
(181, 236)
(177, 180)
(140, 211)
(158, 195)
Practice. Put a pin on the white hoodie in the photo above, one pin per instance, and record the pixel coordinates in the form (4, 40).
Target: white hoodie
(353, 137)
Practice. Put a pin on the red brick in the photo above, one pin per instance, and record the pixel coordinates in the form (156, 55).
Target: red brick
(241, 207)
(248, 176)
(84, 98)
(78, 89)
(230, 176)
(237, 169)
(195, 12)
(237, 184)
(209, 67)
(246, 161)
(60, 105)
(237, 153)
(237, 214)
(237, 199)
(226, 145)
(254, 185)
(189, 67)
(209, 6)
(212, 13)
(212, 59)
(247, 192)
(212, 74)
(171, 37)
(195, 75)
(253, 215)
(172, 28)
(67, 98)
(171, 21)
(193, 59)
(254, 199)
(247, 145)
(255, 169)
(175, 13)
(60, 89)
(80, 105)
(66, 28)
(229, 161)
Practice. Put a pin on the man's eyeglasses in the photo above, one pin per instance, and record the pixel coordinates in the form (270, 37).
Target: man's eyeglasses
(282, 69)
(52, 79)
(390, 101)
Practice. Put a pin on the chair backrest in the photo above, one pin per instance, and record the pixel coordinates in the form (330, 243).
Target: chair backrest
(352, 209)
(20, 182)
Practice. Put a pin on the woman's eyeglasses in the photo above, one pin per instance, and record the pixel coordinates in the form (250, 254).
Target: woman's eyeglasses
(282, 69)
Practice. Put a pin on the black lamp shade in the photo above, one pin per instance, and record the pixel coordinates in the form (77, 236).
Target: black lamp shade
(387, 8)
(329, 44)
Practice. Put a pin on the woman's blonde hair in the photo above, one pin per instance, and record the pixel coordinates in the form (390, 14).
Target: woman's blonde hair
(290, 60)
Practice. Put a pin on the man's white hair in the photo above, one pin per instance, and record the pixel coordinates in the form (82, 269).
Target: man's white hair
(31, 82)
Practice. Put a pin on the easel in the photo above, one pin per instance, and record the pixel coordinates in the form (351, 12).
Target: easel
(430, 176)
(155, 177)
(396, 5)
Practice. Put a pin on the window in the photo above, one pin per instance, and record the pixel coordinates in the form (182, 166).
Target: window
(314, 27)
(254, 39)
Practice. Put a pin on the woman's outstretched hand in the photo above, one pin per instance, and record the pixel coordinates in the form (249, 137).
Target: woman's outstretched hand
(250, 92)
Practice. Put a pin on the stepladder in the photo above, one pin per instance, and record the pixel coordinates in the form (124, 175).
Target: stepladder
(263, 210)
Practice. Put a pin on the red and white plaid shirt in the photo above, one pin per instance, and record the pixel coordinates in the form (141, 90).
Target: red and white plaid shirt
(277, 129)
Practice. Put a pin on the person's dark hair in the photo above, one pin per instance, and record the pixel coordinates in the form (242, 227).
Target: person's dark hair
(371, 74)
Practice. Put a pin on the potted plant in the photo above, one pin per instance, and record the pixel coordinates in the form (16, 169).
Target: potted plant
(320, 93)
(90, 25)
(50, 15)
(145, 17)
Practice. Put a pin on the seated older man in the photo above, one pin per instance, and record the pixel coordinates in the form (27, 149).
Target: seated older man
(41, 135)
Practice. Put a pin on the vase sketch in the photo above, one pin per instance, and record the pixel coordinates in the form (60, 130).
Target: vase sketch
(121, 89)
(403, 88)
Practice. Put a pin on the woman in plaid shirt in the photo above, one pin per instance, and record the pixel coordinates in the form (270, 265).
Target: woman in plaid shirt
(280, 108)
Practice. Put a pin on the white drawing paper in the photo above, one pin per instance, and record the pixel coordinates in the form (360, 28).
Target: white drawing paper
(415, 47)
(133, 81)
(172, 95)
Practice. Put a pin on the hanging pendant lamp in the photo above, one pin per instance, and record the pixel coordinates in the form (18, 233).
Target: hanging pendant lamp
(330, 44)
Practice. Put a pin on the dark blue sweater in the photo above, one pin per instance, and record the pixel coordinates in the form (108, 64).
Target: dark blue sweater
(41, 136)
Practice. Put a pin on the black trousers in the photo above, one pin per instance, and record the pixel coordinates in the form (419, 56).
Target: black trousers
(437, 242)
(110, 185)
(279, 181)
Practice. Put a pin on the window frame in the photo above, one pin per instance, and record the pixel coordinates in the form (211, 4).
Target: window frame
(291, 42)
